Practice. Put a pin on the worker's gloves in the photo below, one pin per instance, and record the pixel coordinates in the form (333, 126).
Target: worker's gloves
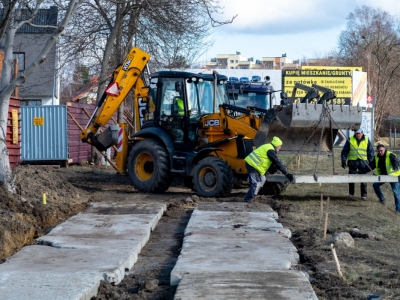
(343, 164)
(290, 177)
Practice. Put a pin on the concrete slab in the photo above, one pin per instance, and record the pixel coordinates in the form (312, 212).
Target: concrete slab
(233, 250)
(102, 227)
(276, 285)
(247, 220)
(237, 207)
(99, 244)
(321, 178)
(238, 216)
(49, 286)
(129, 249)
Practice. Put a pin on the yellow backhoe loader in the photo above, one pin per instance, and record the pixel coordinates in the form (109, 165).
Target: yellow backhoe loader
(185, 126)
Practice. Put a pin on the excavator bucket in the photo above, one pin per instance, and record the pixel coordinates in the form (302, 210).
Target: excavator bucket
(308, 128)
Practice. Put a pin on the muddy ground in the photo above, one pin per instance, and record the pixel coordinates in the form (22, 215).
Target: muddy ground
(369, 267)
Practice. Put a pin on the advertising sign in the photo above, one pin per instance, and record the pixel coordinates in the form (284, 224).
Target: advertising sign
(338, 80)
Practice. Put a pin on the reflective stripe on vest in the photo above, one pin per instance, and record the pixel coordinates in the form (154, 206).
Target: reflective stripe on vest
(358, 151)
(259, 159)
(388, 163)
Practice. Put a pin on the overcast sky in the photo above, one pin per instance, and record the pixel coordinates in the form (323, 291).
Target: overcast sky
(299, 28)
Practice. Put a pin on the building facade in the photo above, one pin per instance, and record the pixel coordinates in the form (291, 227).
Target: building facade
(43, 86)
(238, 61)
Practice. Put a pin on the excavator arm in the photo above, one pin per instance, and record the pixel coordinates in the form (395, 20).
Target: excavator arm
(125, 77)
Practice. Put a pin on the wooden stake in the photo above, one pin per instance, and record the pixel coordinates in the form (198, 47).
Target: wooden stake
(298, 163)
(326, 224)
(322, 206)
(327, 204)
(336, 261)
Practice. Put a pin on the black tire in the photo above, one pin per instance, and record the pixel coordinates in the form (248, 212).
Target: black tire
(149, 167)
(212, 177)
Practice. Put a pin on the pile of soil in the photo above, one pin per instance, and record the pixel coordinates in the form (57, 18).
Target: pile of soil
(24, 216)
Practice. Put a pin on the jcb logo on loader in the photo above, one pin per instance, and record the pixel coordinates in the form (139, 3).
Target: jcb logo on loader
(126, 65)
(211, 123)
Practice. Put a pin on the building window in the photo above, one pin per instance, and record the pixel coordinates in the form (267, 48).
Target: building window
(231, 61)
(236, 61)
(31, 102)
(20, 56)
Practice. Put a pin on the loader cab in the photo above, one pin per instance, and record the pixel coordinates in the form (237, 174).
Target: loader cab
(181, 99)
(254, 94)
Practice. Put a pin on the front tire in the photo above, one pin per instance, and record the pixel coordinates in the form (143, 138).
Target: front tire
(212, 177)
(149, 167)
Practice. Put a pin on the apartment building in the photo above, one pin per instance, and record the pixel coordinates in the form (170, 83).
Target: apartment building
(238, 61)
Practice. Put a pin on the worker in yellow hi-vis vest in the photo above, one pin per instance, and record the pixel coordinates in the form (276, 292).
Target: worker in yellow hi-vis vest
(257, 164)
(386, 163)
(359, 153)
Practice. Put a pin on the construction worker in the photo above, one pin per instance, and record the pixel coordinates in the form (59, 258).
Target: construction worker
(179, 106)
(359, 153)
(270, 92)
(257, 165)
(386, 163)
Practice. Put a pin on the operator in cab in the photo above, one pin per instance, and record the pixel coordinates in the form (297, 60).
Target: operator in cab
(180, 106)
(257, 164)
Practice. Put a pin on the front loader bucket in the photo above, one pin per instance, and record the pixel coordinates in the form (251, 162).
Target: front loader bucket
(300, 125)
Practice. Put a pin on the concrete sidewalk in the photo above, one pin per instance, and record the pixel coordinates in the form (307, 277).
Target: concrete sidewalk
(98, 244)
(238, 251)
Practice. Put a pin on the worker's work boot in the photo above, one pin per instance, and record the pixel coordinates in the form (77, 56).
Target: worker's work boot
(364, 197)
(351, 196)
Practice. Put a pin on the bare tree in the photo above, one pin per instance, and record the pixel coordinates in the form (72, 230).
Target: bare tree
(372, 40)
(103, 32)
(11, 22)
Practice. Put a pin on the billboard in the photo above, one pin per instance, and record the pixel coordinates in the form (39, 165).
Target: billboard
(338, 80)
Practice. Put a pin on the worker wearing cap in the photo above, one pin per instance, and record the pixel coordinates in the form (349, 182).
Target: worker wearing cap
(359, 153)
(257, 165)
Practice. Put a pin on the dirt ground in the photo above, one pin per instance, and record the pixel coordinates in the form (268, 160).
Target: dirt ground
(369, 267)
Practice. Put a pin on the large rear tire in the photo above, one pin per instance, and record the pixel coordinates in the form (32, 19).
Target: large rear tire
(149, 167)
(212, 177)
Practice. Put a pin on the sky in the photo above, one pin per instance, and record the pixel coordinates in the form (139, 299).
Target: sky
(299, 28)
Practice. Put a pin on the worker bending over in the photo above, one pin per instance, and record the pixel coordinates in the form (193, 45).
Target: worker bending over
(257, 165)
